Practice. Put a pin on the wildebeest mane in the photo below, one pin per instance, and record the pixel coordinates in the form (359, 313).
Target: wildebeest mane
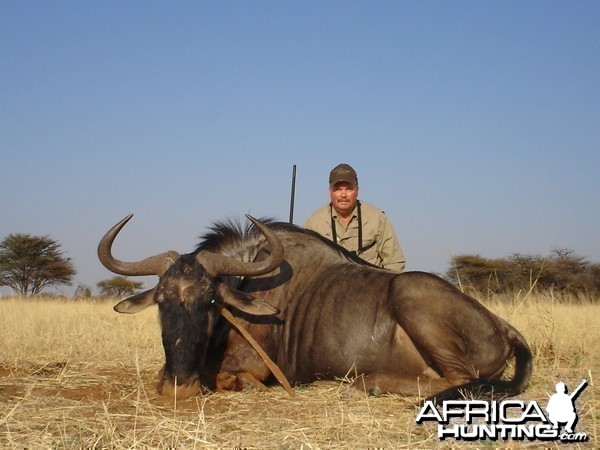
(228, 233)
(338, 248)
(231, 233)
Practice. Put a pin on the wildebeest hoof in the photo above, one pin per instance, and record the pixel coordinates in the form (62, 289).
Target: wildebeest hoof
(227, 382)
(375, 391)
(353, 392)
(248, 381)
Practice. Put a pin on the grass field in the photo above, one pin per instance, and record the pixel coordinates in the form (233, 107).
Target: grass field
(78, 375)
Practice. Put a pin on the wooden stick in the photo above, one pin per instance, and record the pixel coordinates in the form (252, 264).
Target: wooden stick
(275, 370)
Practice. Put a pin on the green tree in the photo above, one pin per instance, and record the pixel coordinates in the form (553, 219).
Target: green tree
(83, 291)
(28, 264)
(119, 287)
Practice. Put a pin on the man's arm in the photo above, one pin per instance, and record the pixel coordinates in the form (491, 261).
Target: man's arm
(388, 247)
(316, 222)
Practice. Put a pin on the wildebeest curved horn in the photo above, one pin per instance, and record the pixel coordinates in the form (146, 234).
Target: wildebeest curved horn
(154, 265)
(218, 264)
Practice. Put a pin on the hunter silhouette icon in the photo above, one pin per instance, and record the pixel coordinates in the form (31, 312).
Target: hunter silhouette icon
(561, 406)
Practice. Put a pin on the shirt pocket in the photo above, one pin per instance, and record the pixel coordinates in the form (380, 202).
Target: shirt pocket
(370, 252)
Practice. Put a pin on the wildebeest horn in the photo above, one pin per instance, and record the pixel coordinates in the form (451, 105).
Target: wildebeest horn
(154, 265)
(218, 264)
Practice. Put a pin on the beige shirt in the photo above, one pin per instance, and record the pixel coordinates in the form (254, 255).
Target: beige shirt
(377, 234)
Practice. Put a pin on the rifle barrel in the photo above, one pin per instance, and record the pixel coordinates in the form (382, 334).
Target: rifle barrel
(293, 195)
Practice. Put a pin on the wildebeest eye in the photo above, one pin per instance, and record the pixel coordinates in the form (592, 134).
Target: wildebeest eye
(215, 302)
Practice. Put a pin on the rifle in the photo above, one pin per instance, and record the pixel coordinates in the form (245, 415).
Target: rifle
(578, 389)
(293, 194)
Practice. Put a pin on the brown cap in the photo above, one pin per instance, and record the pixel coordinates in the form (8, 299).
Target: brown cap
(343, 172)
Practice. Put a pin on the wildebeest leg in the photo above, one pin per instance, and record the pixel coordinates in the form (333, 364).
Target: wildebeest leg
(241, 367)
(457, 336)
(446, 352)
(247, 380)
(226, 382)
(391, 383)
(237, 382)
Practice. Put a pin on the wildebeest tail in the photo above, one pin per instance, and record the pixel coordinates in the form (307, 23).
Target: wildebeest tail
(485, 388)
(523, 364)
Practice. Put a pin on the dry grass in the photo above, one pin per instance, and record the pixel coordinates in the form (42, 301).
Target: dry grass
(78, 375)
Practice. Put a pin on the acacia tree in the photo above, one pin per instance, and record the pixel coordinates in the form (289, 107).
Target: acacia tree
(119, 287)
(83, 291)
(476, 273)
(28, 264)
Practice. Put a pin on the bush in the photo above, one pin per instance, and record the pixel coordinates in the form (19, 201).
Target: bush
(563, 272)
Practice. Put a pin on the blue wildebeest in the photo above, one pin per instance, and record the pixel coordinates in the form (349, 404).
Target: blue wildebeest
(319, 312)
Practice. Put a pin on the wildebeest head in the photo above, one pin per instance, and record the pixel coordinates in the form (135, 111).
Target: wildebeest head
(190, 295)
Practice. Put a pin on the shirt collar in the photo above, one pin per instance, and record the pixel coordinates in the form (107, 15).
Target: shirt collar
(334, 213)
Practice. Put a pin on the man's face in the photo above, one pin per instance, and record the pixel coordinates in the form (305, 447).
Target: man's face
(343, 197)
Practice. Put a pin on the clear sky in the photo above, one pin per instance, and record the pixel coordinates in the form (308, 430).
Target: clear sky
(474, 124)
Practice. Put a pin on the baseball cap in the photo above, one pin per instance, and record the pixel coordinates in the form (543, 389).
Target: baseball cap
(343, 172)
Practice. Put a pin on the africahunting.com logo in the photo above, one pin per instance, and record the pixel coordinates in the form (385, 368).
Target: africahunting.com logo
(471, 420)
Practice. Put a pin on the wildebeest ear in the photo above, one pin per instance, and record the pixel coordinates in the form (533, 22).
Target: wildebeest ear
(245, 302)
(137, 303)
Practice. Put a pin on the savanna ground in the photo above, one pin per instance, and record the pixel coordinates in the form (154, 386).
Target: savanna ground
(78, 375)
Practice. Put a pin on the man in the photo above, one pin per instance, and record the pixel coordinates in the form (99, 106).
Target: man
(355, 225)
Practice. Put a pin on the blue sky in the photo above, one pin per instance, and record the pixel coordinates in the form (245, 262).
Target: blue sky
(474, 124)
